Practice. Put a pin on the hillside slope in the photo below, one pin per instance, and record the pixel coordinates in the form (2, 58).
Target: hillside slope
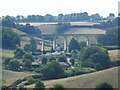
(87, 80)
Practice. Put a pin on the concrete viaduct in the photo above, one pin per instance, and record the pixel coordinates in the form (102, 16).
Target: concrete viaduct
(89, 37)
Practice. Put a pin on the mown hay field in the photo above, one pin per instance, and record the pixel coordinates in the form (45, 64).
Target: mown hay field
(87, 80)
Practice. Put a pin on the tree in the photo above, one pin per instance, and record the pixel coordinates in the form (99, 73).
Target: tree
(39, 85)
(10, 39)
(51, 59)
(8, 21)
(74, 45)
(87, 52)
(62, 59)
(14, 64)
(83, 44)
(62, 27)
(27, 64)
(95, 17)
(111, 38)
(18, 53)
(32, 47)
(72, 61)
(101, 58)
(52, 70)
(44, 60)
(7, 61)
(57, 87)
(104, 86)
(28, 56)
(95, 57)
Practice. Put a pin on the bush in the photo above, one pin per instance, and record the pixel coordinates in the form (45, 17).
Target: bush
(57, 87)
(115, 63)
(28, 56)
(30, 80)
(14, 64)
(39, 85)
(61, 59)
(79, 71)
(44, 60)
(7, 61)
(104, 86)
(19, 52)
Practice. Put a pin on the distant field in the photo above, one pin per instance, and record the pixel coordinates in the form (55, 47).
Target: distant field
(47, 29)
(87, 80)
(114, 54)
(54, 23)
(11, 76)
(39, 23)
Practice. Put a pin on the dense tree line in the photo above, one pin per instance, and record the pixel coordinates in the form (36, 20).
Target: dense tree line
(83, 16)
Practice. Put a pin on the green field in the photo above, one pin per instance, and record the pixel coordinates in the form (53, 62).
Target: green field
(47, 29)
(85, 31)
(7, 53)
(87, 80)
(11, 76)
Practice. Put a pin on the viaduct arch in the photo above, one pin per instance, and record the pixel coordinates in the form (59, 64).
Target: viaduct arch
(89, 37)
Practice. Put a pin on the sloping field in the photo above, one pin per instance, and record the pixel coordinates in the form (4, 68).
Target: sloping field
(114, 54)
(11, 76)
(47, 29)
(85, 31)
(87, 80)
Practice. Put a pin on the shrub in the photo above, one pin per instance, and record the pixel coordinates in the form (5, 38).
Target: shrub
(44, 60)
(79, 71)
(30, 80)
(14, 64)
(39, 85)
(28, 56)
(57, 87)
(104, 86)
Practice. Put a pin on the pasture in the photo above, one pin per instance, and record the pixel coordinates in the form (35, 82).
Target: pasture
(87, 80)
(10, 76)
(114, 54)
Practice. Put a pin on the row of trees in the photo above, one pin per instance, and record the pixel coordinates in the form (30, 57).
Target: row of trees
(60, 18)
